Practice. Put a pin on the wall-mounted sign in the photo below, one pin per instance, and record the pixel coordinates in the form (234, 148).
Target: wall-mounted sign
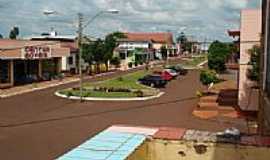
(36, 52)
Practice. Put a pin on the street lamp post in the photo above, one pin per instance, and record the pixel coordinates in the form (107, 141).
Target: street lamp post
(81, 27)
(80, 35)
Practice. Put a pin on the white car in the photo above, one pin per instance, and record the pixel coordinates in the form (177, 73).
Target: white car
(172, 72)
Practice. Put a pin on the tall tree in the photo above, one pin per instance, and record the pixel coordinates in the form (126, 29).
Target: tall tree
(1, 36)
(218, 53)
(163, 51)
(185, 44)
(109, 45)
(14, 32)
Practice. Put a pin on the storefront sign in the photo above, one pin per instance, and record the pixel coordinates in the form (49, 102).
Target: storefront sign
(36, 52)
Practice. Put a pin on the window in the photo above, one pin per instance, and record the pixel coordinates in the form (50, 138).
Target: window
(4, 71)
(70, 60)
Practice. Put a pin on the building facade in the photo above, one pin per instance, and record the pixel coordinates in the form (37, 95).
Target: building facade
(144, 47)
(24, 61)
(70, 62)
(264, 112)
(250, 35)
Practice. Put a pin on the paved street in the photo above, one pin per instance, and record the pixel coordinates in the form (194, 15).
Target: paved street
(40, 126)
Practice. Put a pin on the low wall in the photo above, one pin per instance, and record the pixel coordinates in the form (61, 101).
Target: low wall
(189, 150)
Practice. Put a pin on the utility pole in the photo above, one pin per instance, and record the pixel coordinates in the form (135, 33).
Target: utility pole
(80, 32)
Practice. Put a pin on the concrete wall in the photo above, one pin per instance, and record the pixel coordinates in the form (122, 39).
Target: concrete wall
(183, 150)
(251, 24)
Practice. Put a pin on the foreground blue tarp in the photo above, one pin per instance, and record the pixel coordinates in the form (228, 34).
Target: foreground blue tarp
(108, 145)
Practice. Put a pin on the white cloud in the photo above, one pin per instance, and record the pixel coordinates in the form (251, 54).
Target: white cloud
(197, 17)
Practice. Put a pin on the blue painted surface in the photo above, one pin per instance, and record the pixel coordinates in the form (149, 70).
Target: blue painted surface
(107, 145)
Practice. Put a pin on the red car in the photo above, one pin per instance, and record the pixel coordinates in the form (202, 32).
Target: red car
(165, 75)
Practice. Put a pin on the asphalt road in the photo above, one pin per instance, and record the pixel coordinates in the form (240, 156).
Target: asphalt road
(40, 126)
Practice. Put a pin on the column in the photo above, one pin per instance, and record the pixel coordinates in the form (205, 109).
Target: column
(11, 72)
(40, 68)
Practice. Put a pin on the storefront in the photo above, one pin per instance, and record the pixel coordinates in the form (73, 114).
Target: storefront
(24, 62)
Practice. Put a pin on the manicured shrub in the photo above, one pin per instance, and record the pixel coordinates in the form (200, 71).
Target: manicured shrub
(208, 76)
(69, 93)
(139, 93)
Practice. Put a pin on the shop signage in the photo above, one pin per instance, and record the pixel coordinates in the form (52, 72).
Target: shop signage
(36, 52)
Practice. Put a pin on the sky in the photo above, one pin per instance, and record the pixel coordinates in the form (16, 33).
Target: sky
(201, 19)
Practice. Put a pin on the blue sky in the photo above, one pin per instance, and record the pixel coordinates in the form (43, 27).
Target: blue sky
(199, 18)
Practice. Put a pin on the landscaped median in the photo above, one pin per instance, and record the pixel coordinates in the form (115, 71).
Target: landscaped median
(123, 88)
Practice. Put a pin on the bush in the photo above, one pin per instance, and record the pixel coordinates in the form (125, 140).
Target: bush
(208, 76)
(254, 72)
(120, 79)
(115, 61)
(218, 53)
(138, 93)
(105, 89)
(69, 94)
(130, 64)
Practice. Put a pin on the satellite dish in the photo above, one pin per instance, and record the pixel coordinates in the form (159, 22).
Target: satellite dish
(49, 12)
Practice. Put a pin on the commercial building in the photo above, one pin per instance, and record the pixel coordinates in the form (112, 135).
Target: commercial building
(250, 35)
(264, 112)
(24, 61)
(70, 62)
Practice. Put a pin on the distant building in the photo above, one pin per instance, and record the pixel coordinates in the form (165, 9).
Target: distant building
(144, 46)
(69, 63)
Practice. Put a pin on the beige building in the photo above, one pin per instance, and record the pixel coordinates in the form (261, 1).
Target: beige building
(24, 61)
(251, 24)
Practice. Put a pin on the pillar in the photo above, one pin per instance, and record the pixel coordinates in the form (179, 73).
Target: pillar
(11, 72)
(40, 68)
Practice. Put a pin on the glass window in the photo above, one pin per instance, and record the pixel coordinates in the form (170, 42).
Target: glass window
(4, 71)
(70, 60)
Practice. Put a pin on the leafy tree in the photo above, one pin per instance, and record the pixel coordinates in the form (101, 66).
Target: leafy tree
(185, 44)
(182, 38)
(14, 33)
(94, 52)
(218, 53)
(1, 36)
(101, 51)
(254, 72)
(163, 51)
(109, 45)
(115, 61)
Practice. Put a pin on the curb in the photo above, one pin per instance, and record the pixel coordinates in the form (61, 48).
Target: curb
(51, 86)
(109, 99)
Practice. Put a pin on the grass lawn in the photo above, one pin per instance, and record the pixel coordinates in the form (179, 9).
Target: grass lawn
(193, 62)
(128, 81)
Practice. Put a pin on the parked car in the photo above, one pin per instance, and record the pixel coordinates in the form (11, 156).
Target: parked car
(178, 68)
(172, 72)
(165, 75)
(153, 81)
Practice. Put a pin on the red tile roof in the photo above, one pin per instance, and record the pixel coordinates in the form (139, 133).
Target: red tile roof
(162, 37)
